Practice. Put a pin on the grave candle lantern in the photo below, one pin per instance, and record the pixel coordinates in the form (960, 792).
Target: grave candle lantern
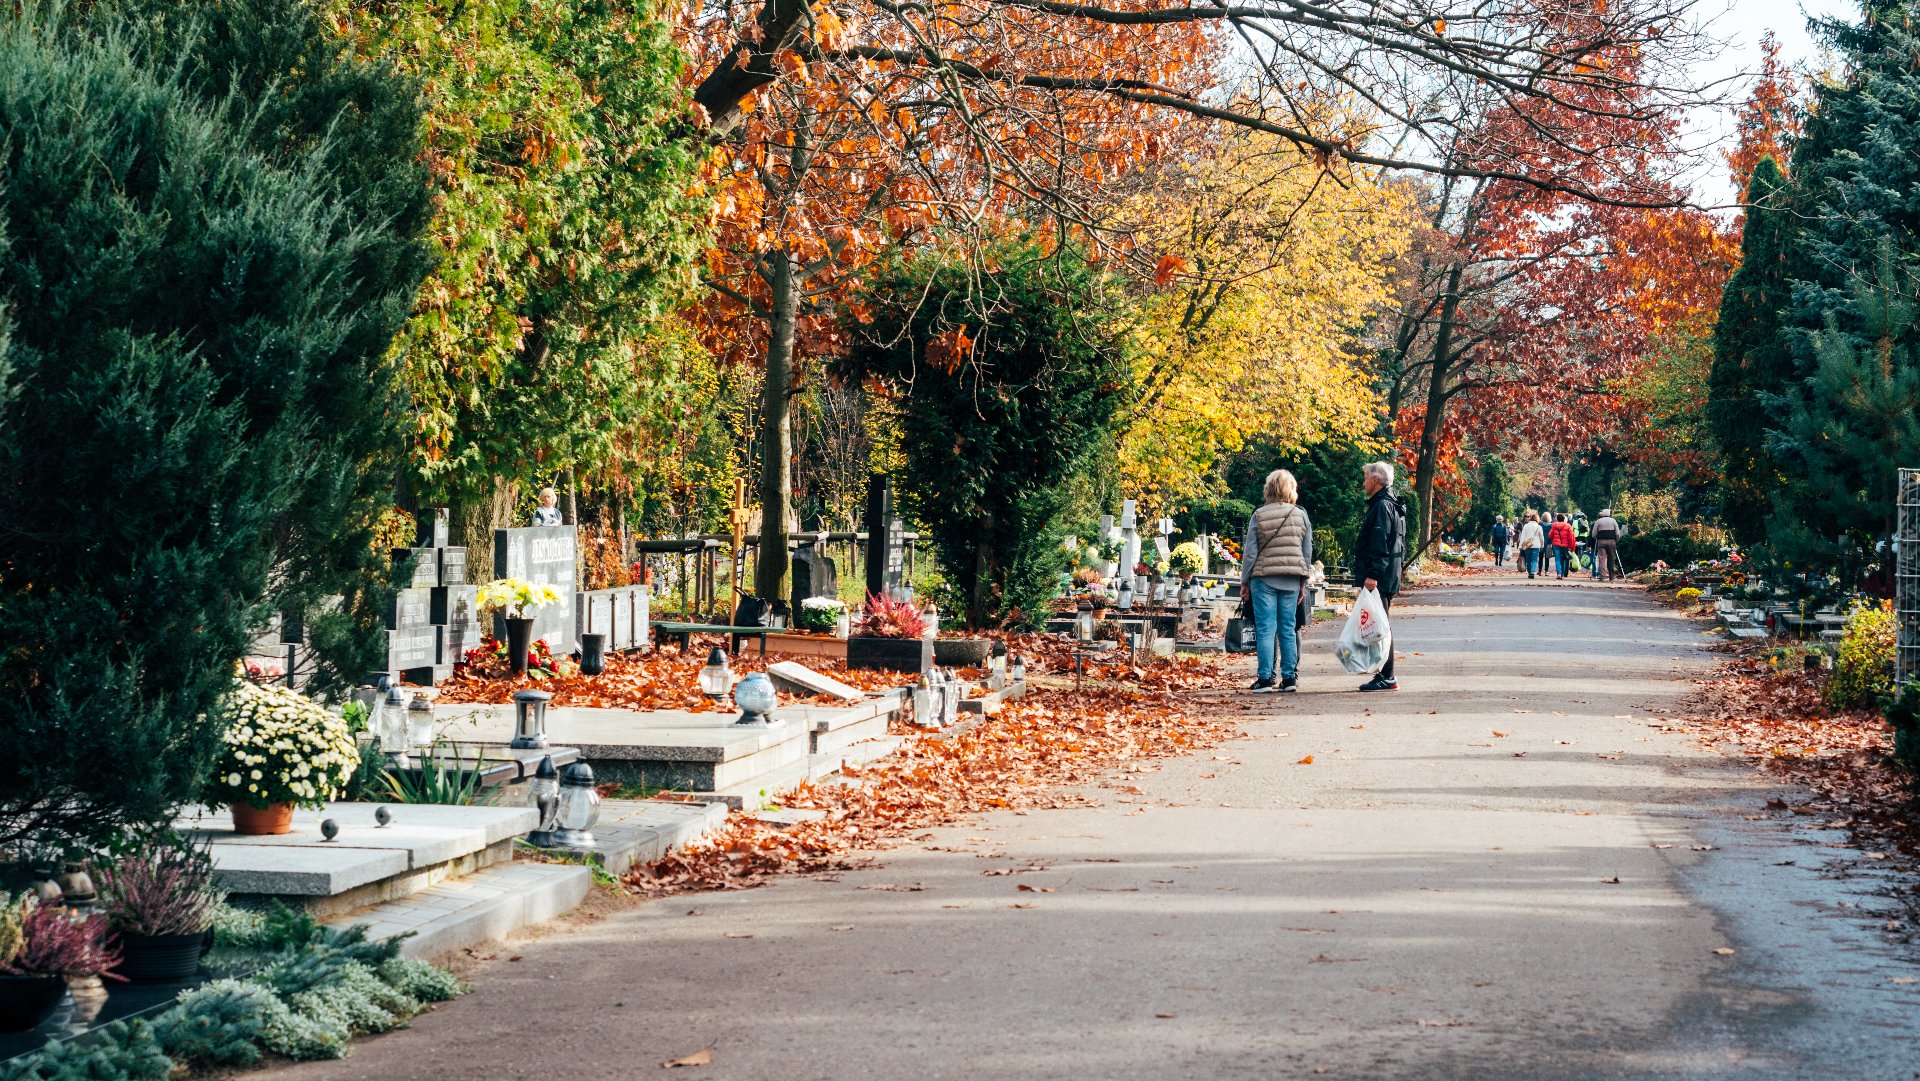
(545, 791)
(756, 698)
(1126, 595)
(716, 679)
(1017, 669)
(530, 720)
(579, 807)
(1083, 625)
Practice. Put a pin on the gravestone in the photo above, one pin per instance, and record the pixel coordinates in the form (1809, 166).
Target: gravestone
(879, 512)
(814, 574)
(542, 555)
(896, 558)
(430, 622)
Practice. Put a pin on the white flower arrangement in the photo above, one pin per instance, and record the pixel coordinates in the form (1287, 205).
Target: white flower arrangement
(819, 613)
(282, 747)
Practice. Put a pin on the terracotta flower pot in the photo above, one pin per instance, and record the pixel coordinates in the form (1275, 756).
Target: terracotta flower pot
(262, 821)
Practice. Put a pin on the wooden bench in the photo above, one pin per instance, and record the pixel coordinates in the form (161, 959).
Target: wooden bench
(684, 632)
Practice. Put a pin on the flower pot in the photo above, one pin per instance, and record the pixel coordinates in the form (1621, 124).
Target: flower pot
(519, 637)
(25, 1001)
(252, 821)
(891, 654)
(162, 958)
(593, 654)
(961, 652)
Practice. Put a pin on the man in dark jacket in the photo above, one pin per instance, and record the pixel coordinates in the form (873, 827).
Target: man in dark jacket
(1498, 538)
(1383, 544)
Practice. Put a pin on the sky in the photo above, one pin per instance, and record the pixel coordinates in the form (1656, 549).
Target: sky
(1741, 24)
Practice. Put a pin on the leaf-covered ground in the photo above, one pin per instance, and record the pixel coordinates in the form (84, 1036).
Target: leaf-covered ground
(1023, 757)
(660, 679)
(1778, 720)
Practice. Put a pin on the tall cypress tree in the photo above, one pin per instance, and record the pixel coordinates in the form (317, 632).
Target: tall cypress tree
(1752, 362)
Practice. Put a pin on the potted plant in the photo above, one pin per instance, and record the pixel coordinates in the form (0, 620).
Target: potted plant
(819, 615)
(1184, 561)
(160, 902)
(282, 749)
(889, 635)
(513, 598)
(42, 946)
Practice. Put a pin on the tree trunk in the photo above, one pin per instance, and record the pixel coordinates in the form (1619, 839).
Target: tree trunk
(771, 571)
(471, 523)
(1428, 463)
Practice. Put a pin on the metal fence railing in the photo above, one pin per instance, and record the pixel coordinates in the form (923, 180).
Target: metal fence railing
(1907, 577)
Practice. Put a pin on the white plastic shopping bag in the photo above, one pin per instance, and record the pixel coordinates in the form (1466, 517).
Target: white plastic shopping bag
(1366, 642)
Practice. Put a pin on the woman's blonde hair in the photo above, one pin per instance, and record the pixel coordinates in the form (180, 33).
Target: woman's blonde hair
(1532, 515)
(1282, 488)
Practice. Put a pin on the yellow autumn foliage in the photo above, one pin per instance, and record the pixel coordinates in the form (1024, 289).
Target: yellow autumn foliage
(1269, 264)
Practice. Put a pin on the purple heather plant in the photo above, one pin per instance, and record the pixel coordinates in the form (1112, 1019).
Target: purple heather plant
(165, 888)
(48, 940)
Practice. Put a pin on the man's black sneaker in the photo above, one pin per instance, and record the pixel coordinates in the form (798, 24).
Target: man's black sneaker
(1262, 686)
(1380, 683)
(1289, 685)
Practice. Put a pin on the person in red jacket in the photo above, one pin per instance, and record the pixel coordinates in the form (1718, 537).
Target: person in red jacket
(1563, 541)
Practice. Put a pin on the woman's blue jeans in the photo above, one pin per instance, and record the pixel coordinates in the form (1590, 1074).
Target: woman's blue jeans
(1533, 560)
(1560, 560)
(1273, 616)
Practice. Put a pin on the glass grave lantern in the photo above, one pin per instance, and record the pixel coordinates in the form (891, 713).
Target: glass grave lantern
(1083, 624)
(1126, 594)
(757, 699)
(530, 720)
(579, 807)
(544, 791)
(391, 725)
(1017, 669)
(716, 677)
(419, 716)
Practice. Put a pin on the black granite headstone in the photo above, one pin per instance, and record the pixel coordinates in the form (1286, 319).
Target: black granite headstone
(814, 574)
(879, 513)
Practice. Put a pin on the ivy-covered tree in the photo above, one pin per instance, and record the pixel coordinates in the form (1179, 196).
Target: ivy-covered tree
(1004, 369)
(198, 380)
(1752, 361)
(566, 226)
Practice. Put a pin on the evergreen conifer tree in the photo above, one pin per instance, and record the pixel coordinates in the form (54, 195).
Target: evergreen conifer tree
(197, 379)
(1752, 362)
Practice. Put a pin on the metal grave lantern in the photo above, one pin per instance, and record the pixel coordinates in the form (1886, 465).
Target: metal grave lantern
(1083, 624)
(757, 699)
(1126, 594)
(716, 677)
(419, 716)
(530, 720)
(579, 807)
(545, 793)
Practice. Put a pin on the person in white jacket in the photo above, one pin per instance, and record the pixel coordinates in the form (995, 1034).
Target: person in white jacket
(1533, 540)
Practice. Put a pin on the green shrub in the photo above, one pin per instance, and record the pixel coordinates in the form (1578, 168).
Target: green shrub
(1327, 550)
(1863, 674)
(1675, 547)
(1903, 716)
(121, 1051)
(219, 1024)
(421, 981)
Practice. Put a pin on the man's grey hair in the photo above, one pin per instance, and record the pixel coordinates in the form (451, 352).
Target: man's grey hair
(1380, 471)
(1606, 512)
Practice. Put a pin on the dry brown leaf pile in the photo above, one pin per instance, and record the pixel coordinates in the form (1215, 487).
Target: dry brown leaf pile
(1778, 720)
(1020, 758)
(661, 679)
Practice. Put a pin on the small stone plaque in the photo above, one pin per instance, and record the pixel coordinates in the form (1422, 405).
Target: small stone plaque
(453, 566)
(798, 677)
(421, 564)
(417, 647)
(412, 609)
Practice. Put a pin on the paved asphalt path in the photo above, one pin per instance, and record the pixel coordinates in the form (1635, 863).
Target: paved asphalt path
(1507, 870)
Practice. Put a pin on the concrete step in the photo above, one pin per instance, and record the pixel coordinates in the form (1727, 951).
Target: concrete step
(488, 904)
(640, 831)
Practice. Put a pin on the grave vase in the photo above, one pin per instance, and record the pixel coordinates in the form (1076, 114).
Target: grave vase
(593, 654)
(519, 637)
(251, 821)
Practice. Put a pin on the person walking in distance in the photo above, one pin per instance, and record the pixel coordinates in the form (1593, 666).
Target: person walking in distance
(1560, 537)
(1276, 558)
(1606, 546)
(1532, 541)
(1498, 539)
(1382, 546)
